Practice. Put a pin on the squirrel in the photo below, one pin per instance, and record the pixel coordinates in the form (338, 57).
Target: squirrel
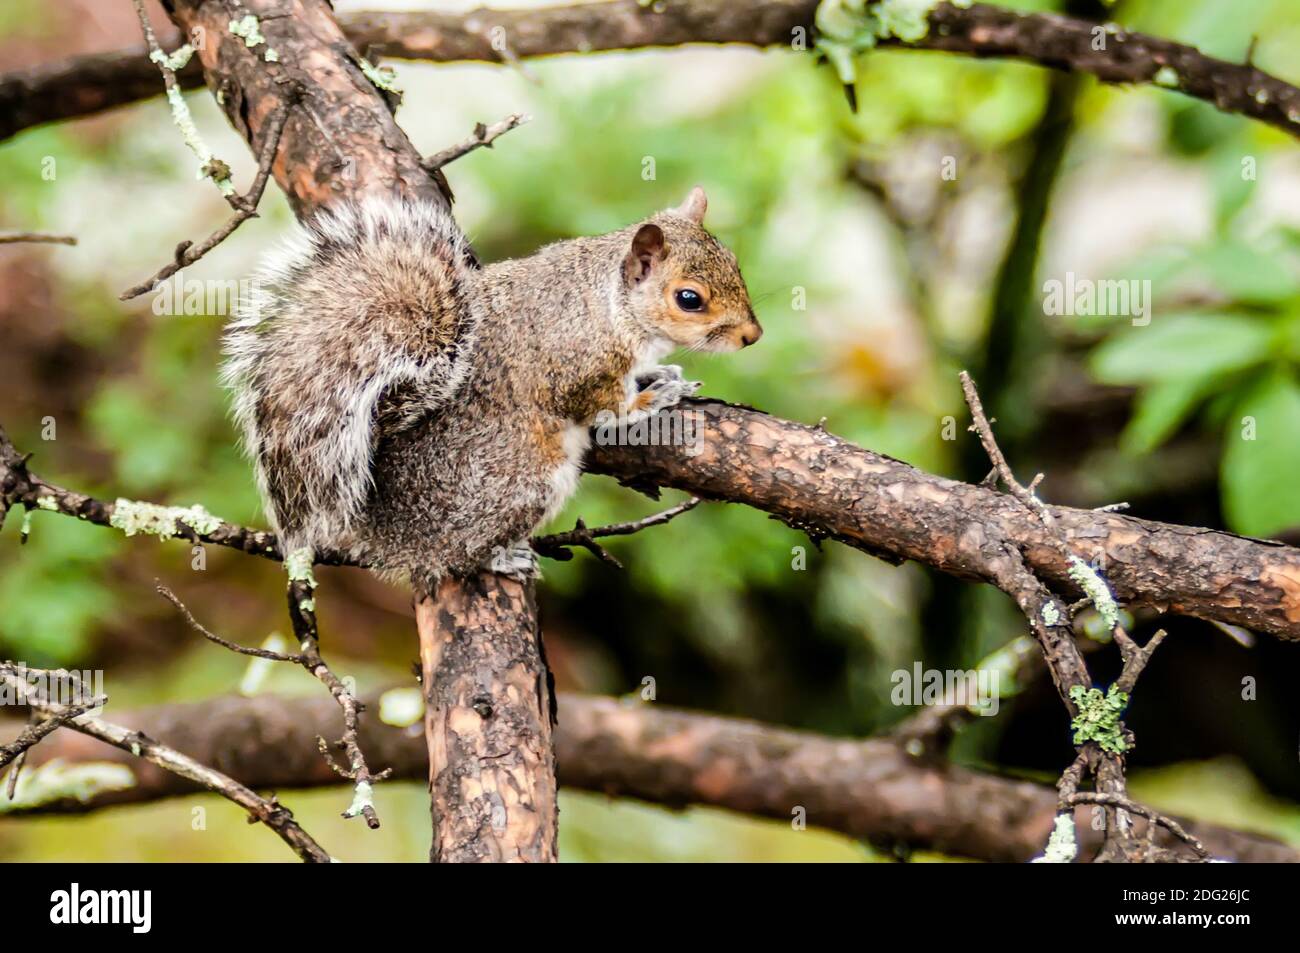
(421, 414)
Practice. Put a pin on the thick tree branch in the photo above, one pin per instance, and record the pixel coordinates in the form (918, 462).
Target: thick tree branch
(816, 482)
(867, 789)
(830, 488)
(87, 84)
(488, 720)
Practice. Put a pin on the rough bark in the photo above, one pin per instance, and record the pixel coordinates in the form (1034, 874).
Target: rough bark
(816, 482)
(86, 84)
(830, 488)
(867, 789)
(340, 141)
(487, 726)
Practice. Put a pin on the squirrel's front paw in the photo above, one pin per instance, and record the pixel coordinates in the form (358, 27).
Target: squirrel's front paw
(660, 372)
(662, 387)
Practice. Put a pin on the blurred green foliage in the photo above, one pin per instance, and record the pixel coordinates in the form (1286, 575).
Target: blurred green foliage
(1238, 358)
(771, 139)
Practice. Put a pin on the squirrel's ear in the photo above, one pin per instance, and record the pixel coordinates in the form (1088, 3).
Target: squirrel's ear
(647, 248)
(696, 204)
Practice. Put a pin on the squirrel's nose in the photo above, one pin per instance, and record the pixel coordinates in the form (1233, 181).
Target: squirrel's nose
(750, 333)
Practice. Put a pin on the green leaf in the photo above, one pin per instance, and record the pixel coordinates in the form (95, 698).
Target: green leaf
(1159, 411)
(1182, 347)
(1261, 458)
(1248, 274)
(1232, 190)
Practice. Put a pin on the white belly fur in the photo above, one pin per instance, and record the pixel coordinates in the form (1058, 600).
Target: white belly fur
(564, 478)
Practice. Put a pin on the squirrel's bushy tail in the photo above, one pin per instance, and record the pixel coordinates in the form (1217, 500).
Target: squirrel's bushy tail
(355, 329)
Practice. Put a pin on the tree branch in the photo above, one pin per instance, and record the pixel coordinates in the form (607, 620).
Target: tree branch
(869, 789)
(488, 719)
(136, 743)
(13, 238)
(830, 488)
(88, 84)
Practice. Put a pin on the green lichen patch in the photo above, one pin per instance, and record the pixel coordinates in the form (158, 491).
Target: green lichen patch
(135, 518)
(175, 61)
(249, 29)
(905, 20)
(1100, 717)
(383, 77)
(47, 503)
(298, 566)
(362, 798)
(1051, 615)
(1095, 588)
(846, 28)
(1061, 845)
(209, 166)
(56, 780)
(1166, 76)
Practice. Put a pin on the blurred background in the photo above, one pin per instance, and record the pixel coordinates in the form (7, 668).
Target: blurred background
(876, 278)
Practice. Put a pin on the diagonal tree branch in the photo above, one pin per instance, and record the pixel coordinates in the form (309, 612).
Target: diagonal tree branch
(87, 84)
(829, 488)
(136, 744)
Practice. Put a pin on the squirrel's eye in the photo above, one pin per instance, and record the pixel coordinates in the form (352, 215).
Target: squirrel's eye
(689, 300)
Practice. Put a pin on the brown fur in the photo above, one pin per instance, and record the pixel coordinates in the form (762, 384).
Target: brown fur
(537, 348)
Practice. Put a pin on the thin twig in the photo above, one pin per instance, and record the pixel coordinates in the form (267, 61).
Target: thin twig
(33, 733)
(482, 138)
(187, 253)
(984, 429)
(1155, 817)
(268, 812)
(1135, 657)
(556, 545)
(209, 165)
(10, 238)
(303, 616)
(224, 643)
(1047, 617)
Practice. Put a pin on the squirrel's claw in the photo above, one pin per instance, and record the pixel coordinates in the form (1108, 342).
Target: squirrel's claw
(668, 390)
(671, 372)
